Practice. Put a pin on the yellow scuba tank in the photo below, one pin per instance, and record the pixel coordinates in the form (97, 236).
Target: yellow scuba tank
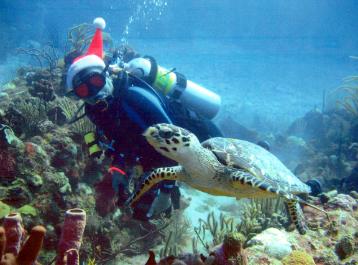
(176, 86)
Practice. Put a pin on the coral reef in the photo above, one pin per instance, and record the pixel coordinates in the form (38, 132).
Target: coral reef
(298, 258)
(320, 242)
(231, 251)
(7, 164)
(323, 150)
(345, 247)
(329, 138)
(105, 196)
(272, 241)
(42, 89)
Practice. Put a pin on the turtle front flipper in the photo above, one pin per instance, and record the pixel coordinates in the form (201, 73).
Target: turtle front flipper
(156, 176)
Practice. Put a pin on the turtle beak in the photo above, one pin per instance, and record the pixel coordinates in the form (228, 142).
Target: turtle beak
(151, 134)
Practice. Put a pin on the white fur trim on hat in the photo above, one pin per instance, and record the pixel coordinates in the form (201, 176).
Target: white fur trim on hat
(86, 61)
(99, 23)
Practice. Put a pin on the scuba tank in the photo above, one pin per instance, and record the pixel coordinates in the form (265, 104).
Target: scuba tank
(175, 86)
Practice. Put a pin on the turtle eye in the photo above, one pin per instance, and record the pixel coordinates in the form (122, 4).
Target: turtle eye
(165, 134)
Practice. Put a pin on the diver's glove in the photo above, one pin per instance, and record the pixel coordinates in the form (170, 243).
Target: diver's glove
(160, 204)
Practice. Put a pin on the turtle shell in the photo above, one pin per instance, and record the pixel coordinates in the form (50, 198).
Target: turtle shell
(258, 161)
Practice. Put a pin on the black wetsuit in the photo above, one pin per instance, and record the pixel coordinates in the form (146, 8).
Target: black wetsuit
(133, 108)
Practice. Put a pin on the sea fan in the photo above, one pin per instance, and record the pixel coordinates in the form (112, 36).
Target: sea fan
(350, 101)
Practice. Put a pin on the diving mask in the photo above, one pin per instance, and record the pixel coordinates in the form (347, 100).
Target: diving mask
(88, 82)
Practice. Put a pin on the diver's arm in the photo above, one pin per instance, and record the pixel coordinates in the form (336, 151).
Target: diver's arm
(144, 107)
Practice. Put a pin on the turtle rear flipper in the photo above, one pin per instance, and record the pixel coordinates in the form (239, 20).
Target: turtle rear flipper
(241, 177)
(245, 178)
(296, 215)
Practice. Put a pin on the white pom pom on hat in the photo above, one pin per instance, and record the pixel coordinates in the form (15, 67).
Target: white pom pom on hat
(99, 23)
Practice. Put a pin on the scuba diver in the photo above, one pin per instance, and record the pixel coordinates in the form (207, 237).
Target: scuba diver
(124, 98)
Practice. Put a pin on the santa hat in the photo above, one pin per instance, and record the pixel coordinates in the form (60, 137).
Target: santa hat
(92, 58)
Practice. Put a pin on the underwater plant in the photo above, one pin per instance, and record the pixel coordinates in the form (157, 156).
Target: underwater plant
(69, 108)
(175, 235)
(109, 244)
(46, 57)
(257, 215)
(212, 230)
(350, 101)
(34, 110)
(260, 214)
(79, 38)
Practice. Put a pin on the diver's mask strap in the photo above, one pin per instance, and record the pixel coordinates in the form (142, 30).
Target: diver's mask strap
(120, 84)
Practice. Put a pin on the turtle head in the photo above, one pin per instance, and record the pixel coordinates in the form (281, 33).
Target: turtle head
(172, 141)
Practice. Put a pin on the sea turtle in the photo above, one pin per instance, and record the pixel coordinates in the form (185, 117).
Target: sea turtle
(224, 167)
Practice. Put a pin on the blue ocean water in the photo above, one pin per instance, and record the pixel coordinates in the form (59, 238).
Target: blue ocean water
(269, 60)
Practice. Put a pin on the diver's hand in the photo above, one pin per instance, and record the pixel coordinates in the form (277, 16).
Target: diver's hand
(120, 185)
(160, 204)
(118, 179)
